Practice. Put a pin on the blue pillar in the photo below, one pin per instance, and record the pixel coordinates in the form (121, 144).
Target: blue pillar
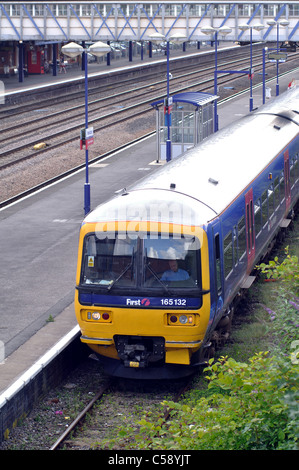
(21, 61)
(83, 56)
(150, 49)
(54, 57)
(130, 51)
(108, 55)
(141, 50)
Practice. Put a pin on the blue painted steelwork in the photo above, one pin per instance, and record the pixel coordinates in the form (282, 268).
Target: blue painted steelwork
(56, 21)
(228, 15)
(294, 30)
(104, 22)
(250, 19)
(177, 18)
(199, 21)
(81, 23)
(150, 20)
(33, 22)
(127, 22)
(11, 23)
(281, 11)
(140, 19)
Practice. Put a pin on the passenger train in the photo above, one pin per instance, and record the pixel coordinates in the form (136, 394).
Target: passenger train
(162, 264)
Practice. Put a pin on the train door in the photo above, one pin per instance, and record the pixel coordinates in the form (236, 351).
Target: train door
(218, 270)
(287, 183)
(250, 235)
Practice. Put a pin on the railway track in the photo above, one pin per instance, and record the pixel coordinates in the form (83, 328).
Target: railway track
(59, 141)
(65, 133)
(124, 396)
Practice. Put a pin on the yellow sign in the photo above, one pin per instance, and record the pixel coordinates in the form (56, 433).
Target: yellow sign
(90, 261)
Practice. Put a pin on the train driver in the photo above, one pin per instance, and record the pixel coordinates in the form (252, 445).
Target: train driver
(174, 273)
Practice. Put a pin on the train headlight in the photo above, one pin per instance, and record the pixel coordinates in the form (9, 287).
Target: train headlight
(177, 319)
(183, 319)
(97, 316)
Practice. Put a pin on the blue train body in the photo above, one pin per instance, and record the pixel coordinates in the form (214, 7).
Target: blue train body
(216, 211)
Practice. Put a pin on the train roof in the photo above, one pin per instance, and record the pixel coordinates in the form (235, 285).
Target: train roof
(221, 167)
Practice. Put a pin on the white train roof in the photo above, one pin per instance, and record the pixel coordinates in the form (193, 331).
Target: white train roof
(214, 173)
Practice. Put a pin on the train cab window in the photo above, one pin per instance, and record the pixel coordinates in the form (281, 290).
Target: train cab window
(171, 262)
(108, 261)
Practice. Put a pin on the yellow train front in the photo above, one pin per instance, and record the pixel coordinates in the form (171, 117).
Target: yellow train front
(143, 296)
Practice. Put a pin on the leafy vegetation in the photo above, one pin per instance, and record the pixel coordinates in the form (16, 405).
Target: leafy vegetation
(246, 405)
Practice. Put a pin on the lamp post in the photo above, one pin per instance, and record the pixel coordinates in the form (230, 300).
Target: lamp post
(245, 27)
(210, 30)
(73, 50)
(158, 38)
(277, 23)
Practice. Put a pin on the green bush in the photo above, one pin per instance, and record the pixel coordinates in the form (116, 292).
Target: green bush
(247, 407)
(287, 272)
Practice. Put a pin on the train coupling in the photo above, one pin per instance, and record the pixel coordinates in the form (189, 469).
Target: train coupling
(139, 351)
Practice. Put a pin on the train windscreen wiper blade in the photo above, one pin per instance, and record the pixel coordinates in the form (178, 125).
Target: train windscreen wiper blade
(147, 265)
(129, 265)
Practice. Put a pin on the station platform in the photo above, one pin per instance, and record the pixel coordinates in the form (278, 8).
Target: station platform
(74, 71)
(39, 240)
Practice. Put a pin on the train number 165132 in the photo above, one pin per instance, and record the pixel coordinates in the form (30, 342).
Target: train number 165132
(174, 302)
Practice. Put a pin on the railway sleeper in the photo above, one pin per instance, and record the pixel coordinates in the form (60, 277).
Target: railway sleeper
(139, 351)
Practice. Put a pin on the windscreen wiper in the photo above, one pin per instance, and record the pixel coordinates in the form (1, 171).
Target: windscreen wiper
(122, 273)
(147, 265)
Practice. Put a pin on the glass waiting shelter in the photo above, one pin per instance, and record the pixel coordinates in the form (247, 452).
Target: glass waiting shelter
(192, 120)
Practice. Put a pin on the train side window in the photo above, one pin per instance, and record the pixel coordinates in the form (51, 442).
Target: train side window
(271, 200)
(218, 263)
(276, 192)
(228, 254)
(296, 167)
(293, 170)
(281, 186)
(241, 237)
(257, 217)
(265, 208)
(235, 245)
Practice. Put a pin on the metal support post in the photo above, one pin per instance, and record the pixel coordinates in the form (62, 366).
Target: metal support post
(264, 74)
(251, 97)
(277, 62)
(87, 185)
(216, 126)
(168, 142)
